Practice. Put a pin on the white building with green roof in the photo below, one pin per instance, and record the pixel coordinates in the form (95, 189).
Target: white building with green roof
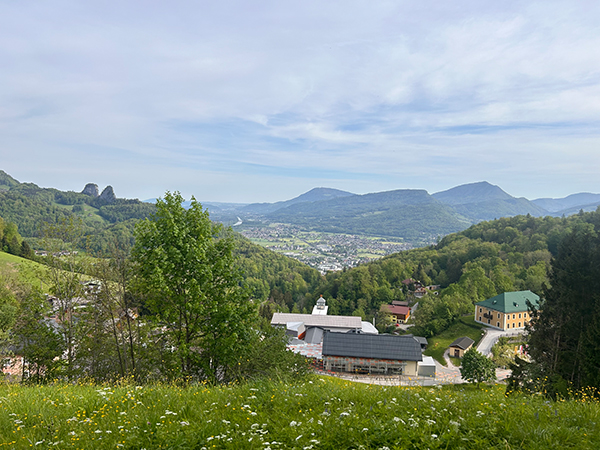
(506, 311)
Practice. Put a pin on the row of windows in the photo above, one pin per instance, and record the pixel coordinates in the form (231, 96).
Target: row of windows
(514, 325)
(513, 316)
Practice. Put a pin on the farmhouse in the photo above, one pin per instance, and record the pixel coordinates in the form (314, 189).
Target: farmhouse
(506, 311)
(369, 353)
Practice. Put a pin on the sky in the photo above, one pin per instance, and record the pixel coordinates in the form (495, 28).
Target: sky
(260, 101)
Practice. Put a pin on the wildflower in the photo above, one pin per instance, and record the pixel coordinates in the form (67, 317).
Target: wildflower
(183, 423)
(293, 423)
(434, 436)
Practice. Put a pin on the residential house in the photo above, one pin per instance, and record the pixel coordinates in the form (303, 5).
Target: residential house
(397, 313)
(506, 311)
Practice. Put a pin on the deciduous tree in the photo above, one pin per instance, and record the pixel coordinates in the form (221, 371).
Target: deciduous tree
(477, 368)
(186, 267)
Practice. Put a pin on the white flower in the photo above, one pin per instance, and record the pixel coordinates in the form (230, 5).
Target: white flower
(293, 423)
(434, 436)
(183, 423)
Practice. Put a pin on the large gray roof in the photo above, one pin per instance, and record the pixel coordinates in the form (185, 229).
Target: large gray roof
(313, 320)
(376, 346)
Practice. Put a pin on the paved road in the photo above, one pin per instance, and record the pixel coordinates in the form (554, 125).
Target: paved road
(490, 338)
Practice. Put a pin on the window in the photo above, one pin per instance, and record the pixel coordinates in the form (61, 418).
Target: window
(514, 316)
(498, 315)
(519, 315)
(480, 318)
(519, 324)
(479, 309)
(498, 324)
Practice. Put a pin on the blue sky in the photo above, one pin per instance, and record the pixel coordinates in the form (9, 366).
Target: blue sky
(248, 101)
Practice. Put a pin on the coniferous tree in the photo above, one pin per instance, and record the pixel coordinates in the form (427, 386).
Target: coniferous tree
(565, 337)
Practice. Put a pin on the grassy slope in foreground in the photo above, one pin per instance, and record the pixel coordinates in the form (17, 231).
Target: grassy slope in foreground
(324, 413)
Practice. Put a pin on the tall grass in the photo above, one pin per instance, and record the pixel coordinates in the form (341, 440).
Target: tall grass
(323, 413)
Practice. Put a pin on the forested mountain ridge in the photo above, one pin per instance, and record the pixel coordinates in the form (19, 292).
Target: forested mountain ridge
(314, 195)
(412, 214)
(103, 217)
(25, 209)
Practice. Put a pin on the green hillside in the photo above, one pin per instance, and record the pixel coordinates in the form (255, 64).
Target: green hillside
(412, 215)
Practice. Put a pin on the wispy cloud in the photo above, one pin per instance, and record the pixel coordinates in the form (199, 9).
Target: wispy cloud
(258, 101)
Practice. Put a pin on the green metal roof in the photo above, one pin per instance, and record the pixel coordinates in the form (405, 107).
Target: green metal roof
(510, 302)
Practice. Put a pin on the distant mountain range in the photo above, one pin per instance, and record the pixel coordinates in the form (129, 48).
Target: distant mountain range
(411, 214)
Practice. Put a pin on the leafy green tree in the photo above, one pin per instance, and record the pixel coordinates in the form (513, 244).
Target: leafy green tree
(477, 368)
(186, 266)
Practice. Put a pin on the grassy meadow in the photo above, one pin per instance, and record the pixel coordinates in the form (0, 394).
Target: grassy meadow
(465, 326)
(323, 413)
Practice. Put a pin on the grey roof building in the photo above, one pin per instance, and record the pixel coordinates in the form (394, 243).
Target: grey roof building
(370, 353)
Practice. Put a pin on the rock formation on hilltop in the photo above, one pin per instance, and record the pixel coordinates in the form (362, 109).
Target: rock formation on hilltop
(90, 189)
(108, 195)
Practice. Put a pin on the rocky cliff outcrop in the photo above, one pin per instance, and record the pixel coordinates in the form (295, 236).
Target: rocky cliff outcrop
(90, 189)
(108, 195)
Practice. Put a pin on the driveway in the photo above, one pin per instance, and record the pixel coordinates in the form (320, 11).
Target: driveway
(491, 337)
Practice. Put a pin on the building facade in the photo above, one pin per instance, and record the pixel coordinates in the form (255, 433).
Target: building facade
(370, 353)
(506, 311)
